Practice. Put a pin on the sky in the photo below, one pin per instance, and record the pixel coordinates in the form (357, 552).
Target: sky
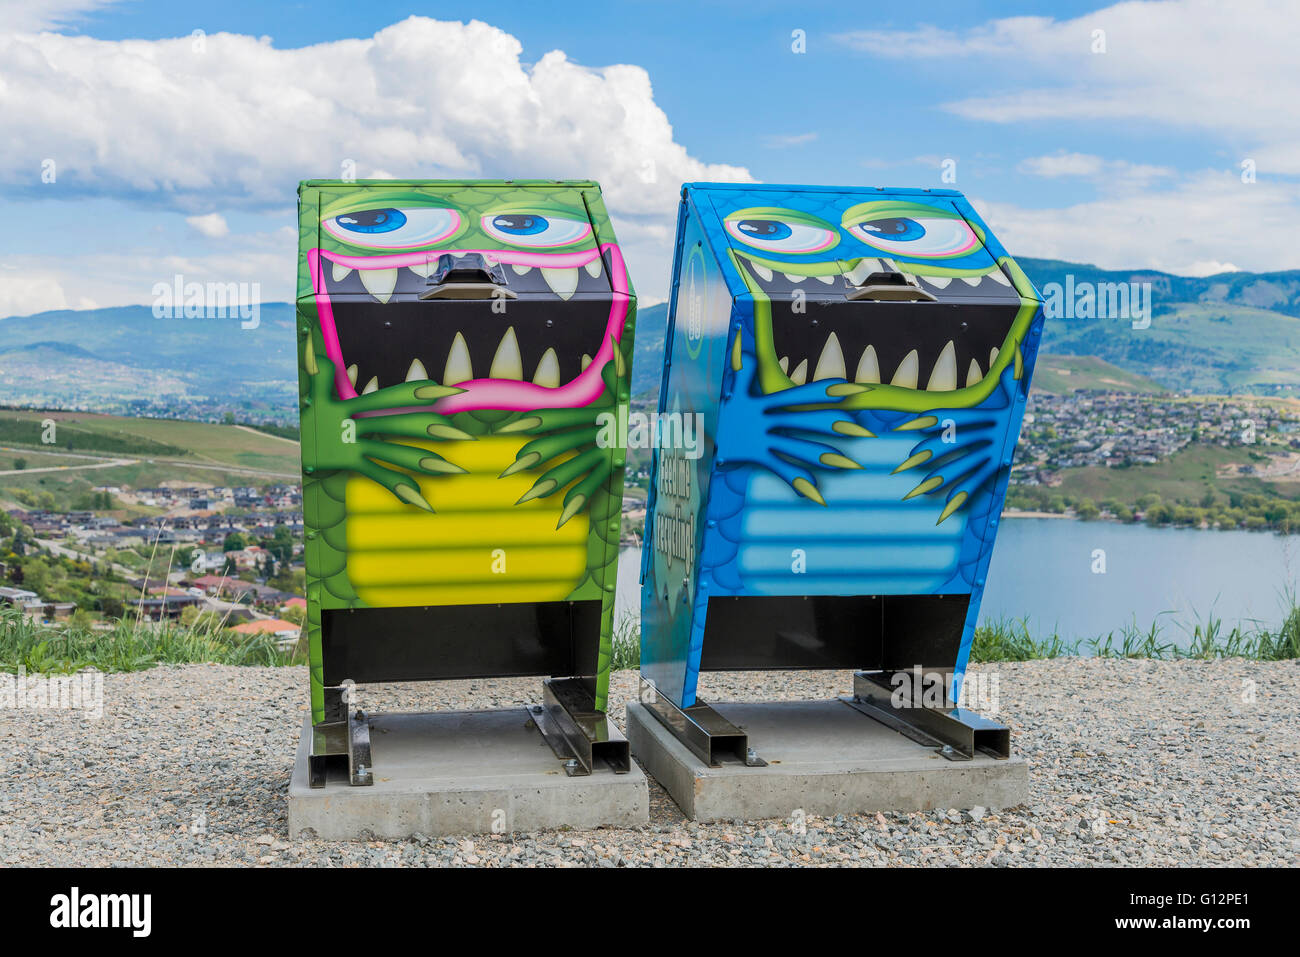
(144, 139)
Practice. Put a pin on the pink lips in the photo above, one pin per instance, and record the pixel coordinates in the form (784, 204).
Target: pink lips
(504, 394)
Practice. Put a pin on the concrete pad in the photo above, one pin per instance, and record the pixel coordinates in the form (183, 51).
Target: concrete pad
(460, 772)
(823, 758)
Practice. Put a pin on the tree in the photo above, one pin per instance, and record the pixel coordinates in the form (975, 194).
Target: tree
(234, 542)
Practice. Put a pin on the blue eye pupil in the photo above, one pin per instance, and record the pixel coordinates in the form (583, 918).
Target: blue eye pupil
(372, 220)
(764, 228)
(520, 224)
(899, 228)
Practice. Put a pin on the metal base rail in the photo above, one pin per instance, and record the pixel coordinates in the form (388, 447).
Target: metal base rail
(707, 734)
(956, 733)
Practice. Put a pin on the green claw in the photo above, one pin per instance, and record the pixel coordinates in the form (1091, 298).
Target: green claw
(847, 388)
(522, 464)
(929, 485)
(412, 497)
(808, 490)
(920, 422)
(439, 431)
(571, 508)
(913, 460)
(957, 501)
(835, 460)
(522, 425)
(436, 391)
(542, 487)
(431, 464)
(853, 429)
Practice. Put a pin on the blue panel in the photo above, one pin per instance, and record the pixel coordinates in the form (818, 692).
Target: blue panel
(859, 442)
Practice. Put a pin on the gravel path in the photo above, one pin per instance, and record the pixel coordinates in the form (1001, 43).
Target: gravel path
(1131, 762)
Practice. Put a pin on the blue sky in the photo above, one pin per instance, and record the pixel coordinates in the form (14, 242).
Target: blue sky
(172, 157)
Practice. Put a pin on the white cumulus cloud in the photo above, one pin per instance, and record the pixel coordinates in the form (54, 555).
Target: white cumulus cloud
(212, 225)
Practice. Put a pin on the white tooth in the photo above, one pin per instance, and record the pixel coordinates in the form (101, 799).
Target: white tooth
(340, 271)
(548, 370)
(998, 275)
(868, 366)
(830, 365)
(586, 361)
(422, 269)
(563, 282)
(458, 364)
(972, 280)
(993, 357)
(380, 283)
(352, 375)
(827, 279)
(507, 364)
(785, 364)
(905, 374)
(793, 278)
(593, 268)
(973, 374)
(800, 374)
(939, 282)
(763, 272)
(862, 270)
(416, 372)
(372, 385)
(521, 270)
(943, 377)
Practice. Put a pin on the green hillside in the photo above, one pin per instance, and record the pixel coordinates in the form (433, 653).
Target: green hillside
(1064, 374)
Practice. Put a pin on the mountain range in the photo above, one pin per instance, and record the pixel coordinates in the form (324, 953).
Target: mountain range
(1229, 333)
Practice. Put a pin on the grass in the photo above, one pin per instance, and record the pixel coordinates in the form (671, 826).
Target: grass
(129, 646)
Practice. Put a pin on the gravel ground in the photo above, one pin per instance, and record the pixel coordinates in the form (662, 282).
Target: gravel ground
(1131, 762)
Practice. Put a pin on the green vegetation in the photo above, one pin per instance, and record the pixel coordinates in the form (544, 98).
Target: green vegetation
(26, 429)
(1063, 374)
(1011, 641)
(128, 646)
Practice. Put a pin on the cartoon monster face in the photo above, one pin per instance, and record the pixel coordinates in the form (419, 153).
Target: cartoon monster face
(911, 356)
(380, 251)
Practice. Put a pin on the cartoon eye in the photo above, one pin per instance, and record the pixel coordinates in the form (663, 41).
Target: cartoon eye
(781, 236)
(390, 228)
(932, 236)
(533, 229)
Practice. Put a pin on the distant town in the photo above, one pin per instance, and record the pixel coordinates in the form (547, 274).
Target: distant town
(179, 550)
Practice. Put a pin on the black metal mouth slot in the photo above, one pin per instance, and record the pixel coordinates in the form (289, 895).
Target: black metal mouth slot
(889, 285)
(467, 277)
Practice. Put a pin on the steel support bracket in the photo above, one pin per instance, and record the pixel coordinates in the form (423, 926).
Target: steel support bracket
(707, 734)
(580, 736)
(955, 733)
(343, 736)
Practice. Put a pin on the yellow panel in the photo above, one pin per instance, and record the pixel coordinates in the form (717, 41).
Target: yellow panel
(519, 563)
(483, 594)
(400, 555)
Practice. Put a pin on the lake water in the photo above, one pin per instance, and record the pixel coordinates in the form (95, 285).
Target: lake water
(1043, 570)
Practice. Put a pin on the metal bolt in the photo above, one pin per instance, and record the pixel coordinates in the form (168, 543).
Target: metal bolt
(571, 764)
(751, 755)
(947, 749)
